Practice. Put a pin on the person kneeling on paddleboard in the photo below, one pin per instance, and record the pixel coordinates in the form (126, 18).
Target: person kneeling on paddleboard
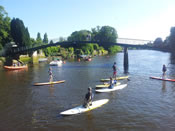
(88, 98)
(111, 82)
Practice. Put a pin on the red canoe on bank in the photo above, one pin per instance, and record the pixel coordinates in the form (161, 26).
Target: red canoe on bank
(16, 67)
(160, 78)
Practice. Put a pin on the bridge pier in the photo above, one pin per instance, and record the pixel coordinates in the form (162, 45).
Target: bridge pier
(9, 59)
(126, 62)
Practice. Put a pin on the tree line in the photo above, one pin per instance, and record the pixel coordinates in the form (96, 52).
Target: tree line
(168, 44)
(15, 30)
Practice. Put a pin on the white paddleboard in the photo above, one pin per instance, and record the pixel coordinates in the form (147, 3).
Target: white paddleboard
(81, 109)
(119, 87)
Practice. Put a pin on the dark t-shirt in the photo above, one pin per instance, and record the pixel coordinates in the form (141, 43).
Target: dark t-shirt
(88, 96)
(164, 69)
(114, 68)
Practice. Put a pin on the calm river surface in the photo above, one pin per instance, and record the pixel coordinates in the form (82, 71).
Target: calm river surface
(145, 104)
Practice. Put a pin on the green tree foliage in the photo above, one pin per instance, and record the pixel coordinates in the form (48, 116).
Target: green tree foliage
(19, 33)
(71, 50)
(51, 42)
(95, 32)
(96, 46)
(79, 35)
(105, 34)
(114, 49)
(158, 42)
(88, 49)
(5, 36)
(52, 51)
(45, 40)
(32, 41)
(38, 39)
(79, 52)
(61, 39)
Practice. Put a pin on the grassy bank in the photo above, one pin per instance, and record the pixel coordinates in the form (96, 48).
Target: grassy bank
(2, 60)
(25, 59)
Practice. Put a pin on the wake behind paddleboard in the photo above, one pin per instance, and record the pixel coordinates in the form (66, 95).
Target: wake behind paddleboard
(81, 109)
(160, 78)
(119, 87)
(118, 78)
(49, 83)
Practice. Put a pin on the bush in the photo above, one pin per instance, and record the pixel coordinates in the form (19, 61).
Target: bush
(114, 49)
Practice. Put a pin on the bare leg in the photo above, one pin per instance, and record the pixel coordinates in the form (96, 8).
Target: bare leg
(51, 79)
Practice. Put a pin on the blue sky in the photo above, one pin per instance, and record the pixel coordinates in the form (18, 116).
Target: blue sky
(137, 19)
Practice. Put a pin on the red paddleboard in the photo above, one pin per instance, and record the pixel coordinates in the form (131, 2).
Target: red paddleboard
(16, 67)
(160, 78)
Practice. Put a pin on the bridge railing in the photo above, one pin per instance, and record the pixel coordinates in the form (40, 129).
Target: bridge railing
(36, 47)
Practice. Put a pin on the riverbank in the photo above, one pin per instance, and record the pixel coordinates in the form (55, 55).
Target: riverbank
(2, 60)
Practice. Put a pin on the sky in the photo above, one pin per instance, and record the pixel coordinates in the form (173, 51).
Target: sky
(136, 19)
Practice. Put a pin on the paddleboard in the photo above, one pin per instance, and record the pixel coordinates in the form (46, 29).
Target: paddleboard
(105, 85)
(81, 109)
(119, 87)
(118, 78)
(49, 83)
(160, 78)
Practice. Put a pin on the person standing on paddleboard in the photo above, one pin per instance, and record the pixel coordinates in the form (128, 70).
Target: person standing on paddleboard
(114, 70)
(50, 75)
(88, 98)
(164, 69)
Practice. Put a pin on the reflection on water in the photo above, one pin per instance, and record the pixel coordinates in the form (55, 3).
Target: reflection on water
(144, 104)
(172, 58)
(163, 86)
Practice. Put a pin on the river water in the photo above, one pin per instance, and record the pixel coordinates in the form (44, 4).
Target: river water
(145, 104)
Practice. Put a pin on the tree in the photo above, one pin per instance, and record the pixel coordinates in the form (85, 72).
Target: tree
(79, 35)
(106, 34)
(158, 42)
(114, 49)
(5, 36)
(172, 38)
(32, 41)
(38, 39)
(95, 31)
(19, 33)
(61, 39)
(45, 40)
